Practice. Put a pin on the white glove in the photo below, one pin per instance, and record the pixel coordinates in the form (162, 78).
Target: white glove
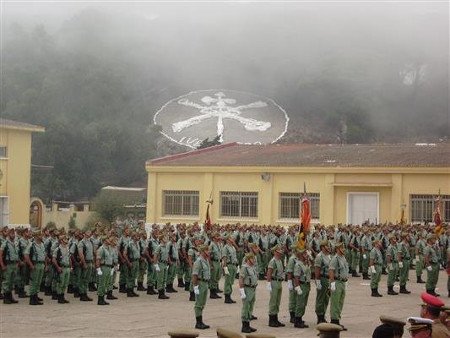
(417, 258)
(111, 272)
(299, 290)
(99, 272)
(346, 285)
(318, 284)
(242, 291)
(414, 261)
(372, 269)
(400, 264)
(290, 285)
(364, 256)
(196, 290)
(333, 286)
(390, 267)
(429, 268)
(156, 266)
(269, 286)
(225, 270)
(116, 267)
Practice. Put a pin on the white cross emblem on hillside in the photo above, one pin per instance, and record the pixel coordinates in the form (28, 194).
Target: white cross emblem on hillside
(219, 108)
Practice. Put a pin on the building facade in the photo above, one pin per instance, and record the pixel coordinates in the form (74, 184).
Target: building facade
(347, 184)
(15, 171)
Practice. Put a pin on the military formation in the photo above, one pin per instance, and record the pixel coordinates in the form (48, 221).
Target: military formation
(157, 260)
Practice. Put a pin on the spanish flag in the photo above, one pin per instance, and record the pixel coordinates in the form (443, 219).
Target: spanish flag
(208, 223)
(438, 226)
(305, 219)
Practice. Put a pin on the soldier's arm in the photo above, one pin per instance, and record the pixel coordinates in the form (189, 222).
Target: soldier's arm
(81, 255)
(269, 274)
(26, 258)
(56, 265)
(331, 274)
(2, 264)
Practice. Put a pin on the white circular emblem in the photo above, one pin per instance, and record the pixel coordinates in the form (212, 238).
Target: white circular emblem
(230, 115)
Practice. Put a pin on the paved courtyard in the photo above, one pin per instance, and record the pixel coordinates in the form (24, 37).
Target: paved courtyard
(147, 316)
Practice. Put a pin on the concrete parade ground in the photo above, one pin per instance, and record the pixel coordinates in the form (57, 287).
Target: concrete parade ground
(146, 316)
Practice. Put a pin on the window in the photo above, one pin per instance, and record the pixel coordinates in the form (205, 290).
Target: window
(290, 205)
(180, 202)
(238, 204)
(422, 208)
(2, 151)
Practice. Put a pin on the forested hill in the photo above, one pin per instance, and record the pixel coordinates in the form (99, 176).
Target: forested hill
(95, 79)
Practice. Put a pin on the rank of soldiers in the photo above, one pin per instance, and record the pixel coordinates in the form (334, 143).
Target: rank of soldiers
(77, 262)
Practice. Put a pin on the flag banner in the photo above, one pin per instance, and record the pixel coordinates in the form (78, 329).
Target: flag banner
(208, 224)
(305, 213)
(438, 226)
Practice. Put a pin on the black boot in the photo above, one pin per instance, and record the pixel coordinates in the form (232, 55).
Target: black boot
(228, 299)
(391, 291)
(22, 293)
(187, 286)
(273, 321)
(170, 289)
(213, 294)
(92, 287)
(161, 294)
(39, 299)
(84, 298)
(321, 319)
(200, 325)
(110, 295)
(141, 287)
(122, 288)
(181, 283)
(151, 290)
(101, 301)
(61, 299)
(131, 293)
(375, 293)
(34, 301)
(403, 290)
(335, 321)
(292, 317)
(219, 291)
(134, 293)
(280, 324)
(70, 288)
(419, 280)
(432, 292)
(299, 323)
(253, 317)
(48, 291)
(76, 292)
(355, 274)
(192, 296)
(54, 295)
(246, 327)
(366, 276)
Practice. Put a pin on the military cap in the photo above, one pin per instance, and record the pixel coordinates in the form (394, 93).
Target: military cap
(430, 300)
(431, 237)
(375, 241)
(277, 248)
(393, 322)
(224, 333)
(324, 242)
(328, 330)
(418, 323)
(249, 255)
(183, 333)
(339, 245)
(203, 247)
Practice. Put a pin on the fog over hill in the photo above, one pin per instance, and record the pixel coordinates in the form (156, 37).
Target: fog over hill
(95, 73)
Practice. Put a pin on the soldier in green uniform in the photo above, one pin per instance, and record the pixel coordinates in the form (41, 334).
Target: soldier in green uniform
(123, 260)
(275, 277)
(162, 259)
(432, 265)
(61, 262)
(22, 275)
(114, 251)
(192, 255)
(95, 240)
(105, 269)
(302, 282)
(201, 274)
(248, 280)
(392, 264)
(355, 246)
(321, 265)
(8, 263)
(34, 256)
(142, 261)
(86, 255)
(229, 264)
(419, 249)
(290, 284)
(173, 263)
(404, 260)
(152, 244)
(366, 247)
(338, 274)
(375, 267)
(216, 269)
(133, 255)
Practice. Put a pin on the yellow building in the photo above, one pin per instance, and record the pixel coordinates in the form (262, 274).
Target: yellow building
(15, 171)
(262, 184)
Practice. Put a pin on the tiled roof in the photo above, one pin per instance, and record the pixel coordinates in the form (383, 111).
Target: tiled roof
(311, 155)
(10, 124)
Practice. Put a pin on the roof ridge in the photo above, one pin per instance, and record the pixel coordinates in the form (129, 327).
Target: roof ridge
(191, 152)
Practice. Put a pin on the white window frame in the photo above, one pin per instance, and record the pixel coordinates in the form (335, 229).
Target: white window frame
(313, 197)
(189, 208)
(239, 196)
(4, 214)
(351, 193)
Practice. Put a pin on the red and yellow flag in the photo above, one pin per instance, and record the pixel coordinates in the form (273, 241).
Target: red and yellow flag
(208, 223)
(438, 226)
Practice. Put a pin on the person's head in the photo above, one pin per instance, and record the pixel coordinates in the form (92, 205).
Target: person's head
(390, 328)
(340, 248)
(431, 307)
(250, 258)
(277, 251)
(420, 327)
(324, 246)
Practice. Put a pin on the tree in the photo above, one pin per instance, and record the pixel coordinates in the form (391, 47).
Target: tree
(109, 206)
